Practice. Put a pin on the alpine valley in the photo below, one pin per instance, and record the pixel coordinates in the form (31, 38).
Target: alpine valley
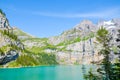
(75, 46)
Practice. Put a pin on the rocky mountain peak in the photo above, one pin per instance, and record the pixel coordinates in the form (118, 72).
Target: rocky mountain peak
(86, 22)
(83, 29)
(110, 25)
(85, 25)
(4, 23)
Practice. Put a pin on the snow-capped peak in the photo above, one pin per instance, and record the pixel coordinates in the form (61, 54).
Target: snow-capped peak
(108, 23)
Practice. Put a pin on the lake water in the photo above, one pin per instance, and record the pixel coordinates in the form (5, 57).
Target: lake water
(73, 72)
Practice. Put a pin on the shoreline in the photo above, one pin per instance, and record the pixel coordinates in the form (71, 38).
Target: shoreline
(42, 66)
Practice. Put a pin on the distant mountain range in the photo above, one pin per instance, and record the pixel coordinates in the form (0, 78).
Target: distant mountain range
(70, 47)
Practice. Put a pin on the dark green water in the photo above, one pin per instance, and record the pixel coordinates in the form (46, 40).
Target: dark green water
(45, 73)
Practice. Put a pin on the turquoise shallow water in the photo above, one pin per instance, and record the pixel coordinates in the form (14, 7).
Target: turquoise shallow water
(45, 73)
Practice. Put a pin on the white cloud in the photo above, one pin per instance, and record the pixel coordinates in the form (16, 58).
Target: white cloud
(108, 13)
(97, 14)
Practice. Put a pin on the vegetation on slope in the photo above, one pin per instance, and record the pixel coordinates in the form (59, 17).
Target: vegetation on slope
(9, 46)
(20, 33)
(37, 55)
(107, 70)
(1, 12)
(27, 57)
(34, 60)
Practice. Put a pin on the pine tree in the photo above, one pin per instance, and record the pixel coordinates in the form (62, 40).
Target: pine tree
(116, 66)
(104, 38)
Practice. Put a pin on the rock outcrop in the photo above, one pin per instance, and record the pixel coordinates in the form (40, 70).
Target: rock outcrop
(10, 45)
(79, 45)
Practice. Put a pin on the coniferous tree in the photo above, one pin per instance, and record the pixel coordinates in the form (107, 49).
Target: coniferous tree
(116, 65)
(104, 38)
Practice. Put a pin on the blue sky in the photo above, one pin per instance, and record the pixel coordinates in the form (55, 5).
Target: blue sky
(45, 18)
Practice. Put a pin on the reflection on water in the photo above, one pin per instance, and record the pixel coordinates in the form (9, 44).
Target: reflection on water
(45, 73)
(83, 69)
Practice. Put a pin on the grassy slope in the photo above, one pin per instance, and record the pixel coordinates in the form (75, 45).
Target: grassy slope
(29, 57)
(19, 32)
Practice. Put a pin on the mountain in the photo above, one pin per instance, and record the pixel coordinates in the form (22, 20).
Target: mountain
(10, 45)
(112, 26)
(70, 46)
(75, 46)
(14, 53)
(21, 34)
(85, 28)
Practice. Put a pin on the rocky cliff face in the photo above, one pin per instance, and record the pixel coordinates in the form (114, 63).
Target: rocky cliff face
(10, 45)
(79, 44)
(75, 46)
(85, 28)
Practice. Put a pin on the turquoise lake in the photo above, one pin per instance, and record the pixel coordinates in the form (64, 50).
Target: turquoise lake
(72, 72)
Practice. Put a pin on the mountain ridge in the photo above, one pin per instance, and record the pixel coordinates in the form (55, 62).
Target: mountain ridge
(73, 42)
(70, 47)
(13, 52)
